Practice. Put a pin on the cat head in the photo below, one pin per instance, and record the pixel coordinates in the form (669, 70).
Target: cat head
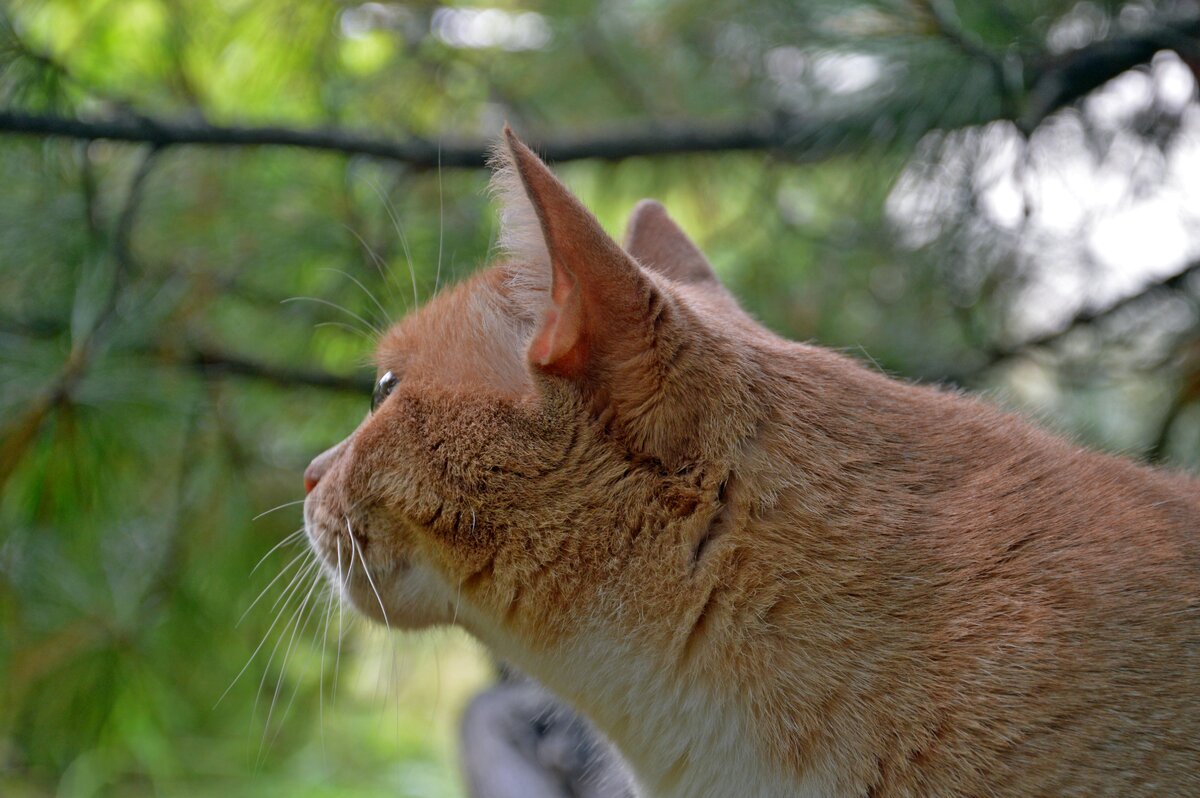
(544, 431)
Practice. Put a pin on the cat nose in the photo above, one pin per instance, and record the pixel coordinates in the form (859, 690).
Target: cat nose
(317, 468)
(311, 478)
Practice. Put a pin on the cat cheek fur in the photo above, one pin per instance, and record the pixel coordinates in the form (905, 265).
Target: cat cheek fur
(361, 540)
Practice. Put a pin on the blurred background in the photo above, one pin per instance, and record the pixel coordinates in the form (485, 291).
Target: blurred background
(209, 207)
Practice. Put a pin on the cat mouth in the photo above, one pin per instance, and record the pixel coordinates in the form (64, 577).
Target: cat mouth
(341, 545)
(338, 540)
(347, 551)
(343, 551)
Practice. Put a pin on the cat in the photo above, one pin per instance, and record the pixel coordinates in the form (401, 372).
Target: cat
(760, 568)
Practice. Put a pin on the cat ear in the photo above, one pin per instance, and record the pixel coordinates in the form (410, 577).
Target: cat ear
(598, 294)
(658, 244)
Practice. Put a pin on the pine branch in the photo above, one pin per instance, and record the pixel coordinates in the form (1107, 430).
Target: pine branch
(209, 361)
(1088, 316)
(945, 20)
(1060, 81)
(1051, 84)
(16, 437)
(215, 362)
(417, 153)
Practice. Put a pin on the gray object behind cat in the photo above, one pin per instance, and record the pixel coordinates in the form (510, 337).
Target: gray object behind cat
(519, 741)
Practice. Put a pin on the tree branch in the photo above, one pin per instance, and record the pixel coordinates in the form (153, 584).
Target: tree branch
(1087, 316)
(214, 362)
(417, 153)
(1157, 453)
(210, 361)
(945, 19)
(17, 436)
(1053, 84)
(1061, 81)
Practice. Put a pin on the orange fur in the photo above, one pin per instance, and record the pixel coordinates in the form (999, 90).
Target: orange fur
(760, 568)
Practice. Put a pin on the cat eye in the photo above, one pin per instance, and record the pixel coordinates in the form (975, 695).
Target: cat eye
(383, 389)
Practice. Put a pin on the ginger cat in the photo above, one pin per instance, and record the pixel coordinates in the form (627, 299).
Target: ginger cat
(758, 567)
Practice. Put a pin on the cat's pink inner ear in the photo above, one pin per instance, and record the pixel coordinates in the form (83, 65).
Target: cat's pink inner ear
(596, 289)
(659, 244)
(559, 344)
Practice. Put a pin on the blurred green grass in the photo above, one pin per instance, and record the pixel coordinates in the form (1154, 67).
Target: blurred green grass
(389, 729)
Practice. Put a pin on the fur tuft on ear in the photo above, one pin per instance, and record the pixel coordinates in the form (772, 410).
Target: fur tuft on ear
(597, 294)
(521, 237)
(617, 332)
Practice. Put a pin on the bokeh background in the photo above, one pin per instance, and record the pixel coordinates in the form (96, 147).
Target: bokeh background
(207, 208)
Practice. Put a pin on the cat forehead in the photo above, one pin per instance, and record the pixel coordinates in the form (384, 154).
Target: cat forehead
(427, 326)
(470, 335)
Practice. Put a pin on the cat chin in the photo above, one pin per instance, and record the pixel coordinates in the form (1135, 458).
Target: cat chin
(397, 597)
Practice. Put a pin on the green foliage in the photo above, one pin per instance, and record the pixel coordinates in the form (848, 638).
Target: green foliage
(182, 329)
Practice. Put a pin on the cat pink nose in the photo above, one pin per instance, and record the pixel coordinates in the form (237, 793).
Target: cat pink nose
(311, 477)
(317, 468)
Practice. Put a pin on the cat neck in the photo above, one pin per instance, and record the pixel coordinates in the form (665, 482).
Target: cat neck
(677, 693)
(681, 738)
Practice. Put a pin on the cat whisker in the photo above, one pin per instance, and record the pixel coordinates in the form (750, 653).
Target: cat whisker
(380, 266)
(384, 317)
(294, 625)
(261, 643)
(284, 601)
(370, 580)
(337, 663)
(335, 306)
(457, 601)
(278, 576)
(348, 328)
(329, 599)
(353, 557)
(441, 220)
(300, 576)
(312, 612)
(287, 541)
(387, 206)
(278, 507)
(458, 598)
(294, 589)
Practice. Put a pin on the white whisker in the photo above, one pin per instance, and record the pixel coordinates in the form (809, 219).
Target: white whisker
(387, 206)
(300, 576)
(380, 266)
(458, 598)
(441, 220)
(362, 561)
(300, 629)
(335, 306)
(348, 328)
(278, 576)
(294, 625)
(337, 663)
(290, 539)
(279, 507)
(321, 684)
(353, 556)
(384, 317)
(257, 648)
(457, 601)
